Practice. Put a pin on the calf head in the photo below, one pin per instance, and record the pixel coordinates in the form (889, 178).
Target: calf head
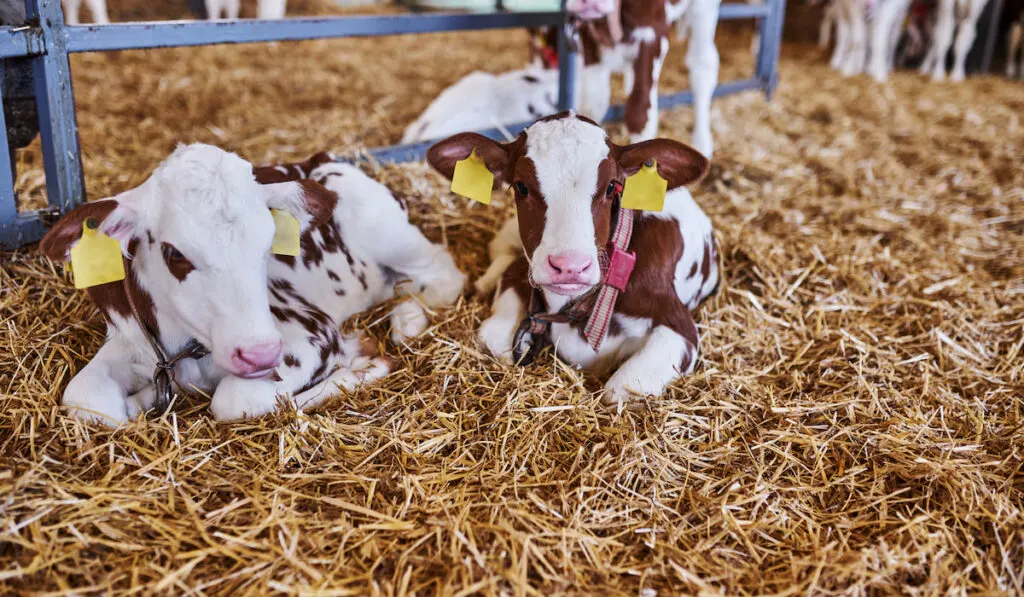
(566, 176)
(197, 237)
(592, 9)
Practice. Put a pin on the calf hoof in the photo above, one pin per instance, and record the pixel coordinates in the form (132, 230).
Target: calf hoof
(957, 76)
(408, 320)
(496, 336)
(96, 400)
(238, 398)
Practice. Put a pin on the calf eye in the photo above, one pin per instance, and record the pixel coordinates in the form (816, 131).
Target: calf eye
(612, 188)
(178, 264)
(521, 189)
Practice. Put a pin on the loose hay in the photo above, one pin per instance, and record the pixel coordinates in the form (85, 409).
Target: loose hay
(855, 425)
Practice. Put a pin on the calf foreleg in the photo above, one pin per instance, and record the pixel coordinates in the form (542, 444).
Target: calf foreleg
(666, 356)
(965, 36)
(101, 390)
(702, 62)
(943, 36)
(1014, 44)
(642, 105)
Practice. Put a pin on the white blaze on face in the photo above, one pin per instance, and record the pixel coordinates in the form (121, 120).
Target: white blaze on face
(207, 204)
(566, 154)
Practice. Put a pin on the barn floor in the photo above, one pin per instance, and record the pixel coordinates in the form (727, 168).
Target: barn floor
(856, 424)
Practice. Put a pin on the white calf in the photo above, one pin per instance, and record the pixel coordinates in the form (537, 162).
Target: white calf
(229, 9)
(482, 101)
(196, 239)
(867, 32)
(1013, 45)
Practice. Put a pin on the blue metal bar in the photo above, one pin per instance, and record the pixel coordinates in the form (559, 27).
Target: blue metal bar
(730, 12)
(58, 129)
(770, 29)
(137, 36)
(20, 41)
(8, 202)
(567, 56)
(20, 230)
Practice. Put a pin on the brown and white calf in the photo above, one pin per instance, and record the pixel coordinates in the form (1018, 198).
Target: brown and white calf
(196, 244)
(639, 55)
(566, 175)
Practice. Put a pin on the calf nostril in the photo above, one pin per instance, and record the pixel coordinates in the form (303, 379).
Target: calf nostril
(553, 265)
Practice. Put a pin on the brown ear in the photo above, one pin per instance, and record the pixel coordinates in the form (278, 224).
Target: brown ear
(309, 201)
(443, 154)
(678, 163)
(65, 233)
(319, 201)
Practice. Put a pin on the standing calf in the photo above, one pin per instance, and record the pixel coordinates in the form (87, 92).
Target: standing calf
(567, 178)
(639, 55)
(196, 240)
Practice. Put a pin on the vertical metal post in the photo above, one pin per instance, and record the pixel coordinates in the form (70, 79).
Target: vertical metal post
(8, 203)
(994, 16)
(770, 28)
(58, 130)
(566, 64)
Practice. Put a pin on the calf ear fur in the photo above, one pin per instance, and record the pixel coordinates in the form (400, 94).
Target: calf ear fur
(443, 155)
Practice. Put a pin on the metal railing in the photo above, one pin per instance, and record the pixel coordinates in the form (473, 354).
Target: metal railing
(46, 41)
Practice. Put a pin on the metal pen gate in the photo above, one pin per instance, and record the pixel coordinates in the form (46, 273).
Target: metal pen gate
(45, 41)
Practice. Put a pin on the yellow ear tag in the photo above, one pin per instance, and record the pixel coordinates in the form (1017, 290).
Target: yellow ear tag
(472, 179)
(286, 233)
(96, 258)
(645, 190)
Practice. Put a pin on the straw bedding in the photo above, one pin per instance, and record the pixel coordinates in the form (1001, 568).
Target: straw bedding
(855, 425)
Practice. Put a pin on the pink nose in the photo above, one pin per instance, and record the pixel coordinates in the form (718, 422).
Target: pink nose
(567, 267)
(257, 358)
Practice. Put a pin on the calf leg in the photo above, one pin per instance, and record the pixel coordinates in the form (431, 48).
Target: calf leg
(702, 62)
(1016, 33)
(853, 63)
(942, 39)
(99, 392)
(967, 32)
(213, 9)
(71, 8)
(642, 104)
(271, 9)
(99, 11)
(884, 27)
(498, 331)
(664, 358)
(842, 41)
(504, 249)
(828, 19)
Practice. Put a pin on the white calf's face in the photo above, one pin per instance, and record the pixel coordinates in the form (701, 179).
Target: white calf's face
(199, 231)
(566, 155)
(590, 9)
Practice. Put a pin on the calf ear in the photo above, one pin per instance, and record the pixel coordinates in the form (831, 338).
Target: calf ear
(678, 163)
(116, 219)
(309, 201)
(444, 154)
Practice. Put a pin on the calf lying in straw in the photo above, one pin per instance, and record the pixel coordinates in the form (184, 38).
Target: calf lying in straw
(206, 304)
(571, 254)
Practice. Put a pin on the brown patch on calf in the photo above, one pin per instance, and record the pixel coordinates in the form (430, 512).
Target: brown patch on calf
(113, 297)
(639, 101)
(296, 171)
(319, 201)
